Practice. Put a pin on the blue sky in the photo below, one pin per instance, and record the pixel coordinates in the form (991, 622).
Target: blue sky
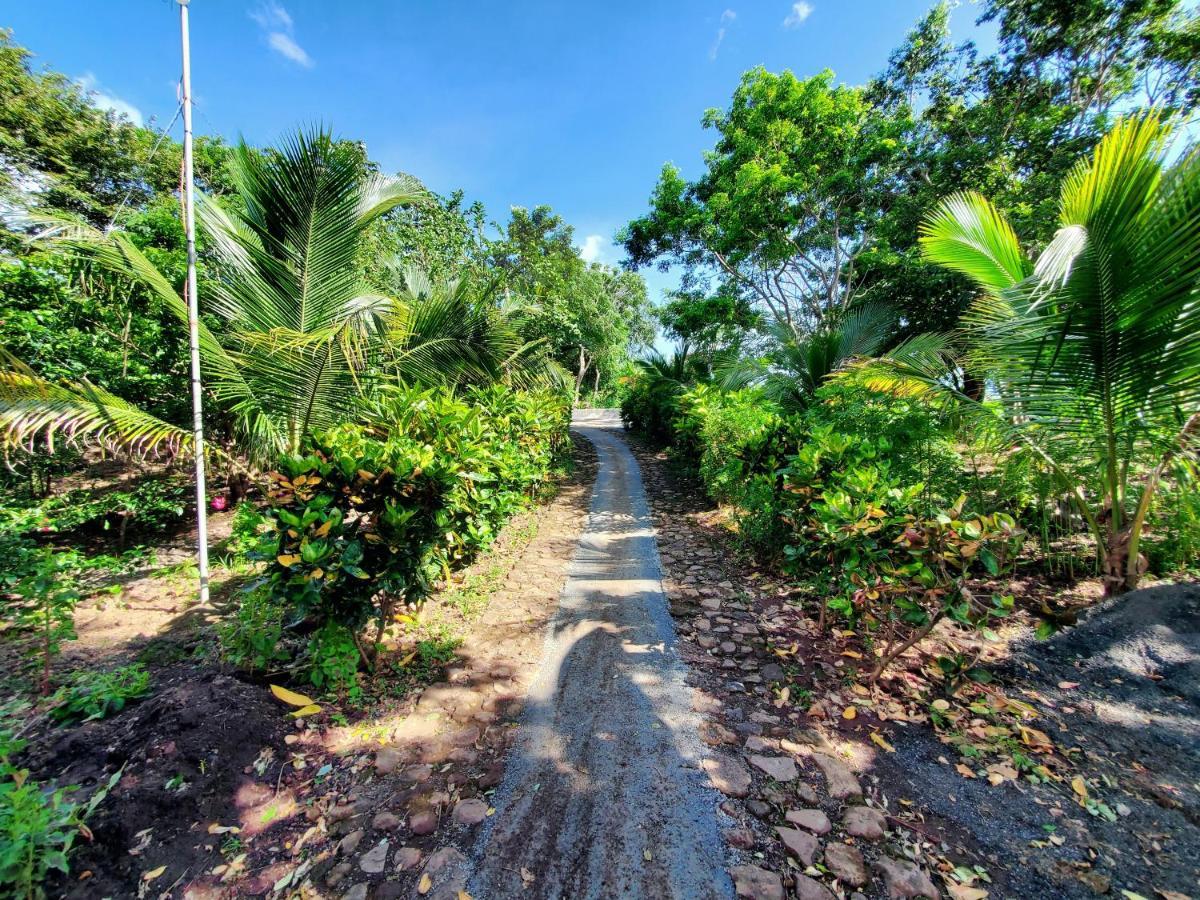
(517, 103)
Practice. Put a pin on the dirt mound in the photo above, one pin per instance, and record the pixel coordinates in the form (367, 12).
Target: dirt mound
(184, 751)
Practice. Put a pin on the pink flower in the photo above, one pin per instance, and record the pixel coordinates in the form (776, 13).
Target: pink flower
(219, 502)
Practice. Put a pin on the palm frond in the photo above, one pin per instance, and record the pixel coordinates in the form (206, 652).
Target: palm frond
(968, 235)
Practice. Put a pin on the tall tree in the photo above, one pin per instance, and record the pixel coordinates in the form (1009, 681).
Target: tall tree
(800, 171)
(1011, 124)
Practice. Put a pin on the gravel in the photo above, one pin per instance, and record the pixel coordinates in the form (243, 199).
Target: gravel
(603, 794)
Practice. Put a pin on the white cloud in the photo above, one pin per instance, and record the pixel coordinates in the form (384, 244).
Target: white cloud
(727, 18)
(593, 248)
(109, 102)
(272, 16)
(277, 22)
(286, 46)
(800, 12)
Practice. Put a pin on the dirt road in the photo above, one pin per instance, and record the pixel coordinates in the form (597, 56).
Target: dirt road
(602, 796)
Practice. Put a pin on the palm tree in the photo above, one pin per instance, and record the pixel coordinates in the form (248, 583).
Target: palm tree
(1093, 353)
(798, 363)
(302, 335)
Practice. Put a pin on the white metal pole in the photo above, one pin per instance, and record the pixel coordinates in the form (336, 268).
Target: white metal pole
(193, 308)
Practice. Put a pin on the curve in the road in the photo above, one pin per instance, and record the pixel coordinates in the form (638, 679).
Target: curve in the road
(602, 796)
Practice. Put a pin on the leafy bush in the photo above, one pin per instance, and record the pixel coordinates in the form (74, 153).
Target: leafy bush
(43, 613)
(153, 504)
(93, 696)
(919, 446)
(251, 637)
(38, 825)
(355, 521)
(729, 436)
(366, 520)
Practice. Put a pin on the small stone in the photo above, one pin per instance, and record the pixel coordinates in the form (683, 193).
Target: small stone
(807, 794)
(443, 859)
(491, 777)
(758, 808)
(847, 864)
(407, 858)
(799, 843)
(728, 775)
(358, 892)
(417, 773)
(715, 734)
(375, 859)
(447, 869)
(772, 672)
(386, 821)
(810, 820)
(423, 822)
(811, 889)
(337, 873)
(470, 812)
(343, 812)
(350, 842)
(742, 838)
(753, 883)
(905, 880)
(781, 768)
(386, 760)
(756, 744)
(842, 783)
(865, 822)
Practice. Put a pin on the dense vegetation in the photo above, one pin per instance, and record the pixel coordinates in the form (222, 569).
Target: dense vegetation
(387, 379)
(931, 331)
(893, 391)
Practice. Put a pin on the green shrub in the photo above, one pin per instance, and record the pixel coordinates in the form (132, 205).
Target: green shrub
(729, 437)
(919, 444)
(355, 522)
(93, 696)
(650, 406)
(369, 517)
(43, 613)
(252, 638)
(38, 824)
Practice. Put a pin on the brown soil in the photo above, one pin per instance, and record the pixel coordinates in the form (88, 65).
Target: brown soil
(235, 799)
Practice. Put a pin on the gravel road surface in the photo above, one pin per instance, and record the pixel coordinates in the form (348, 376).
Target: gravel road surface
(602, 795)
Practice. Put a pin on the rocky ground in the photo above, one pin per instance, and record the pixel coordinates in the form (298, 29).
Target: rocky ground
(838, 791)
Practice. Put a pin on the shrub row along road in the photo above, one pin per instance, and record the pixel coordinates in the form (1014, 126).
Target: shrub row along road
(603, 795)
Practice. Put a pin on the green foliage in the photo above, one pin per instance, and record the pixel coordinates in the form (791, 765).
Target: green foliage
(730, 436)
(800, 170)
(651, 403)
(354, 518)
(43, 613)
(251, 638)
(371, 516)
(38, 824)
(98, 695)
(1092, 349)
(587, 316)
(334, 660)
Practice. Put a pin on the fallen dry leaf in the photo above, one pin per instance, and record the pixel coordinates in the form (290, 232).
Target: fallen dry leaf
(879, 740)
(424, 884)
(290, 697)
(153, 873)
(849, 712)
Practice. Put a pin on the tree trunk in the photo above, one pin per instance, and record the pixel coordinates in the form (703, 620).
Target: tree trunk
(583, 367)
(1124, 565)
